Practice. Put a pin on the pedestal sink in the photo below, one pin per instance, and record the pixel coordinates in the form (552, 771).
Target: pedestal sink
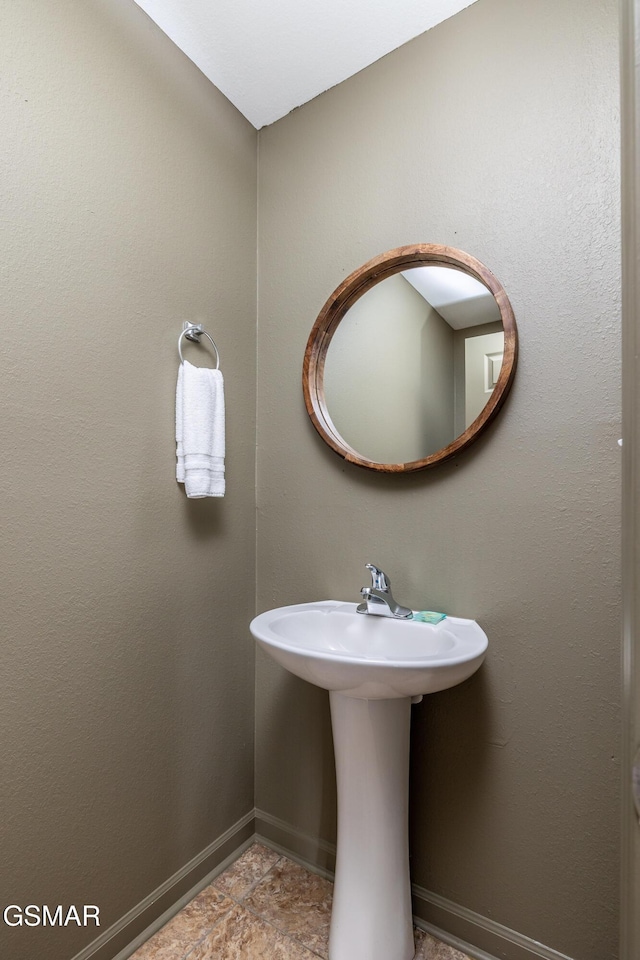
(373, 667)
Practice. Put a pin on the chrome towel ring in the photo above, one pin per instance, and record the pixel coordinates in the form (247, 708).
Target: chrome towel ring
(193, 331)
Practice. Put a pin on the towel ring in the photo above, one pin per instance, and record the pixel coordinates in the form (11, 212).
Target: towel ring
(193, 331)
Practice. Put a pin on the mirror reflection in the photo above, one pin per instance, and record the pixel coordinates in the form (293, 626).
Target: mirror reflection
(413, 363)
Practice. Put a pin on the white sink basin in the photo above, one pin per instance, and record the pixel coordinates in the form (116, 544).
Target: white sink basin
(375, 658)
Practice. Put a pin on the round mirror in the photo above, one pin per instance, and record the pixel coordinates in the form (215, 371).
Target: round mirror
(410, 358)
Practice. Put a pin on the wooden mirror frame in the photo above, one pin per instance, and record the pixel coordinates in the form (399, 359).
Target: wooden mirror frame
(350, 290)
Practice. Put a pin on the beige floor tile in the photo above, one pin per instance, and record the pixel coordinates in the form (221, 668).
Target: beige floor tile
(250, 867)
(284, 915)
(194, 921)
(242, 936)
(428, 948)
(296, 902)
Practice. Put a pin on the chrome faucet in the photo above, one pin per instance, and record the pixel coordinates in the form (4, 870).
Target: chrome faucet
(378, 599)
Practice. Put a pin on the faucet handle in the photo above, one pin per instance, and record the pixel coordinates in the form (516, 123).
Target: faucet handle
(379, 580)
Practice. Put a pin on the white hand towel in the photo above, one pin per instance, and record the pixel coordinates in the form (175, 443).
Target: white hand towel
(200, 431)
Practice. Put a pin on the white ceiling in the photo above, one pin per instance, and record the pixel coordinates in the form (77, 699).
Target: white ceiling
(270, 56)
(461, 300)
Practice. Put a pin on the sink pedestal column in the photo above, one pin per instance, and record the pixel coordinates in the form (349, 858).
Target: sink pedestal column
(371, 918)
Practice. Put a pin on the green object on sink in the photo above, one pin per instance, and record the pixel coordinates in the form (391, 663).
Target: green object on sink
(428, 616)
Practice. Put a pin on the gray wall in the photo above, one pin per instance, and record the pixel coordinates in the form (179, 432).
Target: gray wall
(388, 375)
(126, 706)
(126, 679)
(497, 133)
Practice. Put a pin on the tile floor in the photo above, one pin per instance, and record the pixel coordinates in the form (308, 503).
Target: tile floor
(263, 907)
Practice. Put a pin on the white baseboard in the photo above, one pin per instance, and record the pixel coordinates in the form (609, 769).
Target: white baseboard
(317, 855)
(128, 933)
(479, 937)
(467, 931)
(493, 940)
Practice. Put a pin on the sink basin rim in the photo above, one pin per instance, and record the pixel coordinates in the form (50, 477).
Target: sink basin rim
(462, 652)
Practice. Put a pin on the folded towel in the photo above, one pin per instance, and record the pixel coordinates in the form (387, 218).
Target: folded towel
(200, 430)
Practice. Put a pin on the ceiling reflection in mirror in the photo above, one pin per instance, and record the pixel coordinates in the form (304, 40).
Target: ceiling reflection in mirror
(413, 363)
